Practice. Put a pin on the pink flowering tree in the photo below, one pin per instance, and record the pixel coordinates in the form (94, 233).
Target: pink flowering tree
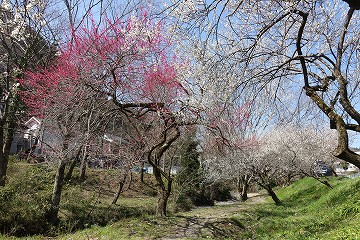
(124, 61)
(72, 115)
(131, 63)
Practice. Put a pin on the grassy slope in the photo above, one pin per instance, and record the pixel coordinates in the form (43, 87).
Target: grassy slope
(29, 189)
(310, 211)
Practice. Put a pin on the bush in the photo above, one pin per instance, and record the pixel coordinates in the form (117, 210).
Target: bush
(220, 191)
(183, 203)
(191, 186)
(25, 201)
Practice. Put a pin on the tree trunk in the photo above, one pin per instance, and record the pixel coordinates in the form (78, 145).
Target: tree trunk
(56, 196)
(72, 166)
(142, 172)
(58, 184)
(244, 191)
(154, 156)
(6, 137)
(121, 186)
(130, 180)
(243, 187)
(3, 159)
(83, 164)
(162, 204)
(272, 194)
(3, 168)
(342, 150)
(164, 190)
(71, 170)
(325, 182)
(334, 172)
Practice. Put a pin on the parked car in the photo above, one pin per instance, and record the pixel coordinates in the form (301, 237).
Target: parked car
(321, 169)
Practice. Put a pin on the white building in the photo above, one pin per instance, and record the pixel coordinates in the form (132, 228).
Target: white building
(27, 137)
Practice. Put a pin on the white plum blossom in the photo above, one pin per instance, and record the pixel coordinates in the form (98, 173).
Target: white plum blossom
(5, 5)
(299, 56)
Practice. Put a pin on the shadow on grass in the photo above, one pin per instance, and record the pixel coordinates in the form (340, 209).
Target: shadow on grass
(194, 227)
(79, 216)
(273, 211)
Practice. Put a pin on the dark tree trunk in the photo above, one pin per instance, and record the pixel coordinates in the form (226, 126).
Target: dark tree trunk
(56, 196)
(71, 170)
(273, 195)
(164, 190)
(243, 187)
(337, 119)
(130, 179)
(154, 156)
(334, 172)
(342, 150)
(3, 168)
(162, 204)
(353, 4)
(6, 137)
(142, 172)
(72, 166)
(265, 183)
(82, 171)
(325, 182)
(58, 184)
(120, 188)
(244, 191)
(83, 164)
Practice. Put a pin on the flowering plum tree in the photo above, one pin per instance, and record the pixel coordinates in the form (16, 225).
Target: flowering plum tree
(287, 48)
(279, 157)
(22, 46)
(230, 136)
(305, 149)
(288, 153)
(71, 113)
(125, 61)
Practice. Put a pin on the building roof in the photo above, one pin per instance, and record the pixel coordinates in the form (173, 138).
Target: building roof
(32, 123)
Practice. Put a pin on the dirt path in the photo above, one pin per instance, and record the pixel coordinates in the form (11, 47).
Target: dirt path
(214, 222)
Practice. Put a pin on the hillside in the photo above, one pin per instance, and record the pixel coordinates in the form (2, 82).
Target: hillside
(310, 210)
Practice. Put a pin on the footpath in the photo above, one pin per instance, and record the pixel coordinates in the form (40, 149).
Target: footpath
(214, 222)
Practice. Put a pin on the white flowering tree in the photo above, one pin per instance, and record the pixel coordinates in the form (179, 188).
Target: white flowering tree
(278, 158)
(286, 48)
(302, 151)
(229, 138)
(22, 46)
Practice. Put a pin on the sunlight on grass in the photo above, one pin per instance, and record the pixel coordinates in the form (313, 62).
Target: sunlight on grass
(133, 228)
(311, 211)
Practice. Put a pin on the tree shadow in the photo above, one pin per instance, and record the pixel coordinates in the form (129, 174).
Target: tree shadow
(194, 227)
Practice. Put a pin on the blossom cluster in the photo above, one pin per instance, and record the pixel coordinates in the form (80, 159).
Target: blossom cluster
(126, 59)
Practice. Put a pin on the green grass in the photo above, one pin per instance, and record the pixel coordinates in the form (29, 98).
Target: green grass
(146, 227)
(310, 210)
(25, 200)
